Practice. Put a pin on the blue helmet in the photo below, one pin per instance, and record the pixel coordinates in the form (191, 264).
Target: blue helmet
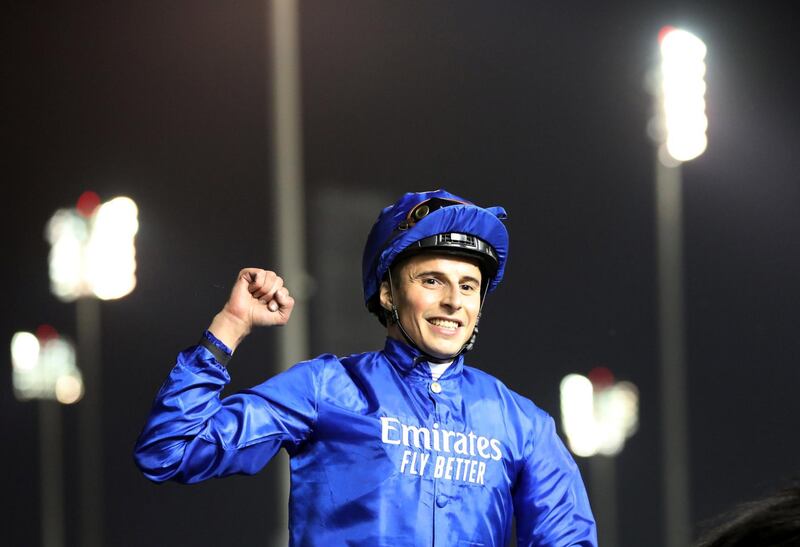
(436, 220)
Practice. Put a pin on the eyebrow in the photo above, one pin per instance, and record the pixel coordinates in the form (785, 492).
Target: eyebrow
(438, 273)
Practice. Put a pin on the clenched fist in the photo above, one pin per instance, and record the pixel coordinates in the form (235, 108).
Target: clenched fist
(258, 299)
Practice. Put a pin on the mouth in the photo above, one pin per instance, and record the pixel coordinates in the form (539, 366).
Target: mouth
(444, 323)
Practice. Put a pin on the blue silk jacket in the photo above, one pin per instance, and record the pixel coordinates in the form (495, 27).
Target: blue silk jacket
(381, 455)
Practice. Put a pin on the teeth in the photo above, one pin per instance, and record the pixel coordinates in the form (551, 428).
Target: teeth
(444, 323)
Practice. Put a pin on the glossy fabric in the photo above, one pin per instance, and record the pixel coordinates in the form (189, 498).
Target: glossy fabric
(377, 458)
(384, 243)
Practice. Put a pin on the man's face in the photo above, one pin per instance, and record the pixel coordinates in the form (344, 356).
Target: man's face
(438, 300)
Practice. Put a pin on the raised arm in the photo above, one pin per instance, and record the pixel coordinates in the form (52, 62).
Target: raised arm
(191, 434)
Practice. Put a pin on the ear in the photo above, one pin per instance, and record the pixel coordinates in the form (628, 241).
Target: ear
(386, 295)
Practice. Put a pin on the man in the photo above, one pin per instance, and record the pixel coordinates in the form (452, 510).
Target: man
(404, 446)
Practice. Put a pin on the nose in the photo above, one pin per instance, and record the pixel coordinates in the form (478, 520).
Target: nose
(451, 298)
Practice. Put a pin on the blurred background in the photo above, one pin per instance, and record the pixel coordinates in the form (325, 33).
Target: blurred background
(540, 107)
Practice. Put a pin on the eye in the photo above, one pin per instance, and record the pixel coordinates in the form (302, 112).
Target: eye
(467, 287)
(431, 281)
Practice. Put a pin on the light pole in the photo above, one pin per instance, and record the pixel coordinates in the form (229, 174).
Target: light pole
(288, 201)
(679, 130)
(92, 256)
(598, 415)
(43, 369)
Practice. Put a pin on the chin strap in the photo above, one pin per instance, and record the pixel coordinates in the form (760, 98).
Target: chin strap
(468, 345)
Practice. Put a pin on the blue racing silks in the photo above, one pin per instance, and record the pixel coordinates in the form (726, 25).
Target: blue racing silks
(381, 455)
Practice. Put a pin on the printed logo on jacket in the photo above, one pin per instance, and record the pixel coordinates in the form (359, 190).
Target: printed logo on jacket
(441, 454)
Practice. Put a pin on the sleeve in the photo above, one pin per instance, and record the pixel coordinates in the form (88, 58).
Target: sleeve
(550, 501)
(192, 434)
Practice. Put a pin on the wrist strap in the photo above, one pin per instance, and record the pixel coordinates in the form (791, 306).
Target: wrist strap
(221, 356)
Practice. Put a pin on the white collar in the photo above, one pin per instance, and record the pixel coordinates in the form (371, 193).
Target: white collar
(437, 369)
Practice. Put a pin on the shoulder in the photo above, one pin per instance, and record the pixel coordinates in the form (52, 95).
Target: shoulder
(314, 366)
(333, 362)
(327, 367)
(513, 406)
(487, 382)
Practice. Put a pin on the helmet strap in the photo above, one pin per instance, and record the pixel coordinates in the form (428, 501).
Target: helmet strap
(471, 341)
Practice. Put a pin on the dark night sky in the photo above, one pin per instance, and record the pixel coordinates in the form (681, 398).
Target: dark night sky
(539, 107)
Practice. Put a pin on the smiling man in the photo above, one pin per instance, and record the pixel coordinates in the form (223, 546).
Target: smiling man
(404, 446)
(439, 300)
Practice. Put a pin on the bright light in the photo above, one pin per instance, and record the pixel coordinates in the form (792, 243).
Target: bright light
(24, 351)
(617, 416)
(110, 253)
(44, 369)
(68, 390)
(67, 231)
(682, 92)
(577, 414)
(598, 419)
(95, 254)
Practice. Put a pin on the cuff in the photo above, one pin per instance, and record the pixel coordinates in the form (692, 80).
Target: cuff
(218, 349)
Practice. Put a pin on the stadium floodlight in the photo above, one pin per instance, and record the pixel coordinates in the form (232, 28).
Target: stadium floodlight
(679, 131)
(43, 367)
(92, 258)
(598, 415)
(92, 249)
(682, 94)
(597, 419)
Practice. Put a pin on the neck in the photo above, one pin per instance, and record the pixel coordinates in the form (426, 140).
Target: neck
(395, 332)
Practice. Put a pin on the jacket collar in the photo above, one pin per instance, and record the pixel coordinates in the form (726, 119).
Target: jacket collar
(409, 360)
